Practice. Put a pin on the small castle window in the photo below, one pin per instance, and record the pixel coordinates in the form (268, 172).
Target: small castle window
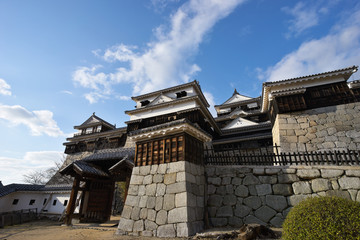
(65, 202)
(32, 201)
(44, 201)
(15, 201)
(144, 103)
(54, 202)
(181, 94)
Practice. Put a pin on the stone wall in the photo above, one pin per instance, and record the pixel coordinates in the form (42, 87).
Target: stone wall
(240, 195)
(328, 128)
(165, 200)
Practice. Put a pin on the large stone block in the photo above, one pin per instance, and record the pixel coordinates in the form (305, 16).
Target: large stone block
(178, 215)
(159, 203)
(320, 184)
(353, 173)
(160, 189)
(132, 200)
(338, 193)
(148, 179)
(282, 189)
(151, 189)
(272, 171)
(265, 213)
(181, 199)
(241, 210)
(225, 171)
(308, 173)
(161, 217)
(151, 214)
(349, 182)
(236, 181)
(253, 201)
(162, 168)
(301, 188)
(126, 224)
(263, 189)
(167, 231)
(169, 201)
(215, 200)
(145, 170)
(143, 213)
(235, 222)
(136, 180)
(229, 200)
(176, 187)
(221, 190)
(331, 173)
(143, 201)
(175, 167)
(138, 226)
(252, 219)
(296, 199)
(133, 190)
(242, 191)
(287, 178)
(276, 202)
(218, 222)
(158, 178)
(170, 178)
(153, 169)
(225, 211)
(150, 225)
(135, 214)
(214, 180)
(250, 180)
(268, 179)
(151, 202)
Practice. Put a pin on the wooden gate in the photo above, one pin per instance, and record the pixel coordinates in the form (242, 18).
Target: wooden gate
(97, 201)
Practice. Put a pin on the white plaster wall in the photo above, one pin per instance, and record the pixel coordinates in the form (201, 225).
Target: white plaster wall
(24, 199)
(165, 110)
(59, 207)
(189, 90)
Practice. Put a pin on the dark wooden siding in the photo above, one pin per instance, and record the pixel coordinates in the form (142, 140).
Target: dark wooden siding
(180, 147)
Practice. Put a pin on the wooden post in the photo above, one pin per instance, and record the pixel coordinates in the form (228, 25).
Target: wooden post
(71, 207)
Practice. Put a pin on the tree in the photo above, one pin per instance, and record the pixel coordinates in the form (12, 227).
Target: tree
(42, 176)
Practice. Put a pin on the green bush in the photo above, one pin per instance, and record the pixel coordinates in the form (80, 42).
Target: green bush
(323, 218)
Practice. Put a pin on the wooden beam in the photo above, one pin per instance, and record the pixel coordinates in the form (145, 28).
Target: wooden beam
(72, 202)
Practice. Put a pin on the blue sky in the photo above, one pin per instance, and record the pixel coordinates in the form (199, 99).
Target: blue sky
(60, 61)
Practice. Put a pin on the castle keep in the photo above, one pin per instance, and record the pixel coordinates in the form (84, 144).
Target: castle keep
(186, 170)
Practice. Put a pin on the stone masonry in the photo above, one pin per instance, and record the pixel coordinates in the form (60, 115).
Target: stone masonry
(328, 128)
(165, 200)
(240, 195)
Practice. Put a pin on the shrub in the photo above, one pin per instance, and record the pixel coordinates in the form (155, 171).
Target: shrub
(323, 218)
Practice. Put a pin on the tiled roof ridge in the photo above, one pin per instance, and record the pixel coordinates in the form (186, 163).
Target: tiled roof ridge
(353, 67)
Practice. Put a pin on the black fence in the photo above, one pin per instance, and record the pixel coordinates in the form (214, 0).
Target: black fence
(17, 217)
(271, 156)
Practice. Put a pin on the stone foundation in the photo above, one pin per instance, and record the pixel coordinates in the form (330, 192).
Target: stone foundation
(165, 200)
(240, 195)
(328, 128)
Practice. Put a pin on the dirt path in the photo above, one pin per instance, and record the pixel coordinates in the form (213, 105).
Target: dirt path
(52, 230)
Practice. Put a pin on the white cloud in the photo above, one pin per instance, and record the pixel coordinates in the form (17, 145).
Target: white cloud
(339, 49)
(67, 92)
(210, 98)
(40, 122)
(164, 62)
(304, 17)
(4, 88)
(12, 170)
(307, 14)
